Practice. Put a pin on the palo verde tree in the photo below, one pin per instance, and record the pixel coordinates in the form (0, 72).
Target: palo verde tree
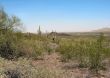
(8, 26)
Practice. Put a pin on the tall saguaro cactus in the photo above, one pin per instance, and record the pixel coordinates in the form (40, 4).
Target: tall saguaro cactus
(39, 31)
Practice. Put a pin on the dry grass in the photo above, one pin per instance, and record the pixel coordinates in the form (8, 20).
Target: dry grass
(50, 67)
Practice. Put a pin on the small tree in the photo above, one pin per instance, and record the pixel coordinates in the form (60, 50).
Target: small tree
(8, 25)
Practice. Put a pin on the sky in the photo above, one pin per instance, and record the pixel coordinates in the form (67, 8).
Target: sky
(60, 15)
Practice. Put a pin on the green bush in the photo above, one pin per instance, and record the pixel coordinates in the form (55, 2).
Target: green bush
(96, 54)
(66, 49)
(88, 52)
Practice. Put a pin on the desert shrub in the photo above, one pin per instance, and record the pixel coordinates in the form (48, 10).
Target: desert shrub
(7, 51)
(48, 47)
(23, 68)
(15, 45)
(88, 52)
(31, 48)
(8, 46)
(39, 48)
(94, 57)
(74, 50)
(66, 49)
(81, 53)
(96, 54)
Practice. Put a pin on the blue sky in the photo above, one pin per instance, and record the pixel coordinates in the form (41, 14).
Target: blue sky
(60, 15)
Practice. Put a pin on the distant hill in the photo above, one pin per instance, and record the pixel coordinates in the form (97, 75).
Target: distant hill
(102, 30)
(97, 32)
(59, 34)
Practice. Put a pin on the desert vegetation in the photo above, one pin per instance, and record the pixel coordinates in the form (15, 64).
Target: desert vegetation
(27, 55)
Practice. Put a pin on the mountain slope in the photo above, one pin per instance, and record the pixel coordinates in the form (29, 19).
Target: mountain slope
(102, 30)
